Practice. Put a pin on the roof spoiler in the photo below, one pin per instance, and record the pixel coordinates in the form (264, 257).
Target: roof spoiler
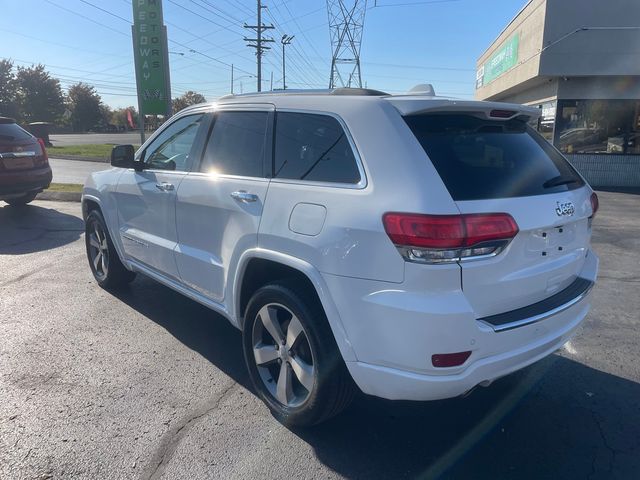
(489, 110)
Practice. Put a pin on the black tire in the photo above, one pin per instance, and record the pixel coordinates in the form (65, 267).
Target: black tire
(109, 271)
(21, 201)
(332, 390)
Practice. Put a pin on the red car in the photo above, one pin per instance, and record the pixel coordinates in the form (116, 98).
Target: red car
(24, 165)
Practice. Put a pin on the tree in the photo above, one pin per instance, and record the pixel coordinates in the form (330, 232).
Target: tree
(39, 96)
(119, 117)
(187, 99)
(8, 91)
(85, 106)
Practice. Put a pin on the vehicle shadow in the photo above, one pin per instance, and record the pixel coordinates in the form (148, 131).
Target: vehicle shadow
(33, 228)
(556, 419)
(197, 327)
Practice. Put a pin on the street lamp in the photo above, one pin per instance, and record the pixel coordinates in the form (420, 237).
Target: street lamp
(286, 40)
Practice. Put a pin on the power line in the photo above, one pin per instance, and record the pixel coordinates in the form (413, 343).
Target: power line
(302, 56)
(192, 50)
(302, 72)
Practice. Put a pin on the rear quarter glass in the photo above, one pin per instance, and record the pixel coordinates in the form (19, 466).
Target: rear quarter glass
(479, 159)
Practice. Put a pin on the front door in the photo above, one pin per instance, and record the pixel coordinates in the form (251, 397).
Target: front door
(146, 199)
(219, 206)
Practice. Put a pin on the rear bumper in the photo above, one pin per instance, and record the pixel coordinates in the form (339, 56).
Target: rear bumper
(403, 385)
(402, 330)
(19, 183)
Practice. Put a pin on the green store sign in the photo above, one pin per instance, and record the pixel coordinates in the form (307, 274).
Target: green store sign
(151, 57)
(501, 61)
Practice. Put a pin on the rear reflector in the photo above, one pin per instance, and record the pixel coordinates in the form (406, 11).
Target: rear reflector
(441, 360)
(448, 231)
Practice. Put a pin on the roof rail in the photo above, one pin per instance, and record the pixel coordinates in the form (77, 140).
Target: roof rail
(329, 91)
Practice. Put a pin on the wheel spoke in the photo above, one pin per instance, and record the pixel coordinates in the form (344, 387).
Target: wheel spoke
(265, 354)
(293, 331)
(284, 392)
(303, 371)
(104, 258)
(97, 259)
(270, 322)
(96, 230)
(93, 241)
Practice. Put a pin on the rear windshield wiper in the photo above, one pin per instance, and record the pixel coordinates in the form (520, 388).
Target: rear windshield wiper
(559, 180)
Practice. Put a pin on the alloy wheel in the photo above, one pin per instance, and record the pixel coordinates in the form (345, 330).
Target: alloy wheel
(282, 354)
(99, 251)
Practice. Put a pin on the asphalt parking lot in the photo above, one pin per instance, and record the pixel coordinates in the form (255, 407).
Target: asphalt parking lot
(148, 384)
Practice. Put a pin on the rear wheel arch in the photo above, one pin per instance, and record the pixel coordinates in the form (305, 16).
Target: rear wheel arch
(268, 264)
(259, 272)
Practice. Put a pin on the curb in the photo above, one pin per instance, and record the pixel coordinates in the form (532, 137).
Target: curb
(55, 156)
(60, 196)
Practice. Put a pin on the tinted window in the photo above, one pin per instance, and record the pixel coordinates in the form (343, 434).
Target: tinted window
(237, 144)
(11, 131)
(171, 149)
(313, 147)
(479, 159)
(598, 126)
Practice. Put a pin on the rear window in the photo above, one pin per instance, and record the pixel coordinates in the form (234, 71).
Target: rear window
(11, 131)
(480, 159)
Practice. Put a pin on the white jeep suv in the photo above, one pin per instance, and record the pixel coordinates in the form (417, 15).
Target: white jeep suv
(413, 246)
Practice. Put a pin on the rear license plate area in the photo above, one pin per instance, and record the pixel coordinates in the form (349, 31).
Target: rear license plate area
(20, 163)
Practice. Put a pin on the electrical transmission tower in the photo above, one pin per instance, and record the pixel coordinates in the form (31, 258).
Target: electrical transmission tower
(346, 22)
(259, 41)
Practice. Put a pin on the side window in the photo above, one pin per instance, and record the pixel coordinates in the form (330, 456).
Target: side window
(237, 144)
(313, 147)
(170, 150)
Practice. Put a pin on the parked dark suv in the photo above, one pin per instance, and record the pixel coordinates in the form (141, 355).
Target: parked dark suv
(24, 166)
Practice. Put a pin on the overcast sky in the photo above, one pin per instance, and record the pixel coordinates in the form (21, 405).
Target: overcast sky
(405, 42)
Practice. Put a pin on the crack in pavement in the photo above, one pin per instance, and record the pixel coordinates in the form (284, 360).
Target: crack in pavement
(612, 451)
(171, 439)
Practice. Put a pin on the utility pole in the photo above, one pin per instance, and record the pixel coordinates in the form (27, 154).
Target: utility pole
(271, 84)
(257, 42)
(286, 40)
(232, 79)
(346, 24)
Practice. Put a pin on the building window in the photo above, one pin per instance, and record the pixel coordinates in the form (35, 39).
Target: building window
(598, 126)
(547, 119)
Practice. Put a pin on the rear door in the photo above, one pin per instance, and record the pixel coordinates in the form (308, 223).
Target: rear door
(219, 205)
(501, 165)
(146, 200)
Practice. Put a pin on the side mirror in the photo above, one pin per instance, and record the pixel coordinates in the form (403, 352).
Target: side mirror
(122, 156)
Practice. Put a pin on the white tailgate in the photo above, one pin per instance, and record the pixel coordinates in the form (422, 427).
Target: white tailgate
(545, 256)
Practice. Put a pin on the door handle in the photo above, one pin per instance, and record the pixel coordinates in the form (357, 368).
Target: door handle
(165, 187)
(244, 197)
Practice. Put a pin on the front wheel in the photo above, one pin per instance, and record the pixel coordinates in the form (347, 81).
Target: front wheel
(292, 356)
(105, 264)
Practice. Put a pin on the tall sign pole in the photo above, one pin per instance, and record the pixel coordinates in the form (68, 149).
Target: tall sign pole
(151, 60)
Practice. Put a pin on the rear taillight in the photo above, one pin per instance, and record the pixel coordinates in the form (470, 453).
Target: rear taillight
(595, 204)
(43, 158)
(449, 238)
